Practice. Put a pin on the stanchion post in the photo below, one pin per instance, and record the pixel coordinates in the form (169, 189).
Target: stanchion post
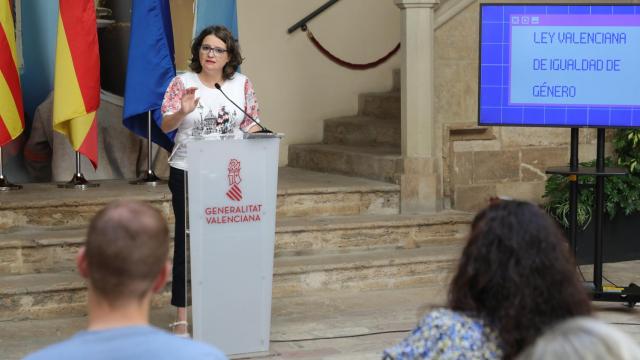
(149, 178)
(6, 185)
(78, 180)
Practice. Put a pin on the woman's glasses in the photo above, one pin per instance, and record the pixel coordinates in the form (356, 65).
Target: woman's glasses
(216, 50)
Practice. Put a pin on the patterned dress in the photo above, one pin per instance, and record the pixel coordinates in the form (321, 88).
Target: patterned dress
(445, 334)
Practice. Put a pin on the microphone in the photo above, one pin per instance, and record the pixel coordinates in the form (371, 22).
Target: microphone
(263, 130)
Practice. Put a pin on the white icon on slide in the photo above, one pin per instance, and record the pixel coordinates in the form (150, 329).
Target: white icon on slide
(535, 20)
(515, 20)
(525, 20)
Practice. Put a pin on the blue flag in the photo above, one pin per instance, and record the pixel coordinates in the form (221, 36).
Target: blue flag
(150, 68)
(219, 12)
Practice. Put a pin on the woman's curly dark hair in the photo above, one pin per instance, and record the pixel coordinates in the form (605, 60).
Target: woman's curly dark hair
(518, 274)
(233, 50)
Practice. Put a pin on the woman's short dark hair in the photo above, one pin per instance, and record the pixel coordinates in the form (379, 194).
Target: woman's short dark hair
(518, 274)
(233, 50)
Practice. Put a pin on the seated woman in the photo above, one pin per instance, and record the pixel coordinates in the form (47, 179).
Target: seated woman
(515, 278)
(583, 339)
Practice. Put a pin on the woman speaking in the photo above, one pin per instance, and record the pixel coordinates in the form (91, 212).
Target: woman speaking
(194, 105)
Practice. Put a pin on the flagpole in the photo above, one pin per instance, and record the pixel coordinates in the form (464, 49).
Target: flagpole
(149, 178)
(6, 185)
(78, 180)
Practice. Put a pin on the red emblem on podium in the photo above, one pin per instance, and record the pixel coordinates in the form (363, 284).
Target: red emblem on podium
(234, 193)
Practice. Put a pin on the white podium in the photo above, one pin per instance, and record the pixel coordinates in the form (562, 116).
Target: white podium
(232, 194)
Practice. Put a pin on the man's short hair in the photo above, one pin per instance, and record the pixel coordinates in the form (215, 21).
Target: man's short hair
(127, 247)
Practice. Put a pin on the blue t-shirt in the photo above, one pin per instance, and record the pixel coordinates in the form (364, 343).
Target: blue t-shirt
(131, 342)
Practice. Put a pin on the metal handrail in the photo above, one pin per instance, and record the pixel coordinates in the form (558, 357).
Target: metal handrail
(308, 18)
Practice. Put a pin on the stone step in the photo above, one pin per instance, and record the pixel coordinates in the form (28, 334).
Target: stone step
(381, 163)
(40, 296)
(362, 130)
(43, 204)
(381, 105)
(303, 192)
(50, 295)
(366, 270)
(37, 250)
(40, 250)
(310, 235)
(300, 193)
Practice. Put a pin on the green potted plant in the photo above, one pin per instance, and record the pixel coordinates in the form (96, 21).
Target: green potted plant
(622, 199)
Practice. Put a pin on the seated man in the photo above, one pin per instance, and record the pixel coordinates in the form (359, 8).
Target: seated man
(125, 262)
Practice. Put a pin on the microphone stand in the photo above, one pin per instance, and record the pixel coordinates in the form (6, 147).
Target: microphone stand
(263, 130)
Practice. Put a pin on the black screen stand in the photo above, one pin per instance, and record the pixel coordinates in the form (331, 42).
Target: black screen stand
(631, 293)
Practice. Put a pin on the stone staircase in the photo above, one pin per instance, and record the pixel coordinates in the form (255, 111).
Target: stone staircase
(365, 145)
(333, 233)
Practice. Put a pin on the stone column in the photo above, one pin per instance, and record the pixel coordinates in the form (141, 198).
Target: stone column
(421, 178)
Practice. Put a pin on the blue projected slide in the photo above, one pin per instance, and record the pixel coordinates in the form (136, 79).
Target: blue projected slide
(560, 65)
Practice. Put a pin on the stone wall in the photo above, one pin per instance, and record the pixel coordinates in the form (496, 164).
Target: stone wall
(482, 162)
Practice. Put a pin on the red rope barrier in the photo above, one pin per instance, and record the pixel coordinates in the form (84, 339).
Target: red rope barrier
(347, 64)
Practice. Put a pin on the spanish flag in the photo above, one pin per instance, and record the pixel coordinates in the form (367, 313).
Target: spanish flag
(11, 108)
(76, 89)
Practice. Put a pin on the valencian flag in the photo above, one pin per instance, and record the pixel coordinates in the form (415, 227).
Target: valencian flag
(11, 107)
(76, 92)
(150, 68)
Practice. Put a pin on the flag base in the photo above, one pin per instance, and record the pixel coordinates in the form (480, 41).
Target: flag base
(6, 185)
(149, 179)
(78, 182)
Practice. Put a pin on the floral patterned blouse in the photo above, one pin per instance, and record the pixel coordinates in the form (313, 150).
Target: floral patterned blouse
(214, 115)
(445, 334)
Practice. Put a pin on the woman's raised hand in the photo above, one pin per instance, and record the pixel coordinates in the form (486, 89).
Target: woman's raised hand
(189, 100)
